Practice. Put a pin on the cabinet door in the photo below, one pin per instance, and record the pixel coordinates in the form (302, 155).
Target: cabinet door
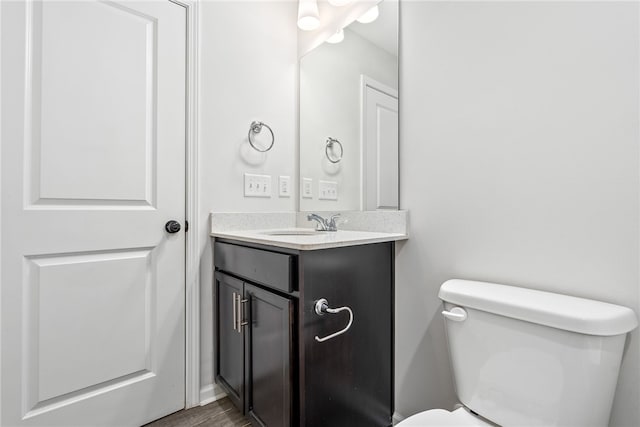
(348, 380)
(230, 367)
(269, 358)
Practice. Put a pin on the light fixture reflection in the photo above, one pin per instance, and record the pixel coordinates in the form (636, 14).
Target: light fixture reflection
(308, 16)
(369, 16)
(337, 37)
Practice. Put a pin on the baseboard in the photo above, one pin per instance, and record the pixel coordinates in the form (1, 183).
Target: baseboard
(211, 393)
(397, 418)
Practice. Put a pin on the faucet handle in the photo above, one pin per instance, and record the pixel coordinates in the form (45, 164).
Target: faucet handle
(333, 221)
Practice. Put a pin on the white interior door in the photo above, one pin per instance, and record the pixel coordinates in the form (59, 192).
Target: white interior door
(92, 167)
(379, 145)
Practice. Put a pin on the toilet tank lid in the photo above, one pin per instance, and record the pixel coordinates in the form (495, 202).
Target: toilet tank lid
(566, 312)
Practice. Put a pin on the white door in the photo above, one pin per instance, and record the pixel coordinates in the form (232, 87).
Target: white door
(92, 167)
(379, 145)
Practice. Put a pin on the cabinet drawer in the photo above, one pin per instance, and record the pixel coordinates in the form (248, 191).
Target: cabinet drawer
(271, 269)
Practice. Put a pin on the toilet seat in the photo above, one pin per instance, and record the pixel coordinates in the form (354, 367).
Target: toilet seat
(441, 418)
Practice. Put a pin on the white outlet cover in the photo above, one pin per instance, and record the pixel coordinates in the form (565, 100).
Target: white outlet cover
(307, 188)
(284, 186)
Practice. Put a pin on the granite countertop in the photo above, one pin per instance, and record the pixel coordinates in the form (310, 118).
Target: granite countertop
(310, 240)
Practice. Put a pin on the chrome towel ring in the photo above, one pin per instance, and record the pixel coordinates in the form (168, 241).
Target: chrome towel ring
(256, 128)
(321, 307)
(330, 143)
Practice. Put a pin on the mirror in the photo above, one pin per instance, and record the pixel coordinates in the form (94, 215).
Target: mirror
(349, 118)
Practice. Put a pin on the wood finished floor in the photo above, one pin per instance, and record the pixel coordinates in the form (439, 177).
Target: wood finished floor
(220, 413)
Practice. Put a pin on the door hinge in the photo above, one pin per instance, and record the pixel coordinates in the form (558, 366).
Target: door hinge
(186, 226)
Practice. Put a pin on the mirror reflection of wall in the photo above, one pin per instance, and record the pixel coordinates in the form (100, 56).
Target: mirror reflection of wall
(348, 92)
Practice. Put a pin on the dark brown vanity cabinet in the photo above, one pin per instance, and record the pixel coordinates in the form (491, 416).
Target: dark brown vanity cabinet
(269, 357)
(254, 333)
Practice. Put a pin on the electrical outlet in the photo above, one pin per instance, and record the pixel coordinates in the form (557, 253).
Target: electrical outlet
(328, 190)
(257, 185)
(307, 188)
(284, 185)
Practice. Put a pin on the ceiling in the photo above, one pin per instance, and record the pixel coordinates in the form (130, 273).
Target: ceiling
(382, 32)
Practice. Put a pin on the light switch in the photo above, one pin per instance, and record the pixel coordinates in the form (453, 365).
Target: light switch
(257, 185)
(328, 190)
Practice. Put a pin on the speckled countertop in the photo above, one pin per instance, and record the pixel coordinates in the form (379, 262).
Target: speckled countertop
(279, 228)
(308, 242)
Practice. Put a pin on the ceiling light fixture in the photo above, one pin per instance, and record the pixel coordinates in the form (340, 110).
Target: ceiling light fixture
(369, 16)
(308, 16)
(337, 37)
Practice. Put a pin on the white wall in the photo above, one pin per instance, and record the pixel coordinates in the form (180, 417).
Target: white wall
(330, 105)
(519, 165)
(248, 71)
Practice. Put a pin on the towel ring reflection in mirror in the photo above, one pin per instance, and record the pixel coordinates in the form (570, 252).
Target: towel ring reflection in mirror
(256, 128)
(330, 146)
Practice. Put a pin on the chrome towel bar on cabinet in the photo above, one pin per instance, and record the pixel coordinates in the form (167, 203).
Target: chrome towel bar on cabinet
(322, 307)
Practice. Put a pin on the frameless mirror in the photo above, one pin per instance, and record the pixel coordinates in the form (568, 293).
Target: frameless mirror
(349, 117)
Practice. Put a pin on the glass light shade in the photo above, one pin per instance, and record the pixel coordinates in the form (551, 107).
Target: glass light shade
(369, 16)
(308, 16)
(337, 37)
(339, 2)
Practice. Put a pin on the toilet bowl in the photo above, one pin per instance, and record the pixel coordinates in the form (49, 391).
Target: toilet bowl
(461, 417)
(527, 357)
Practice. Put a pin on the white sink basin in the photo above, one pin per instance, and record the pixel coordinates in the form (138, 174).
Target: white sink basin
(293, 232)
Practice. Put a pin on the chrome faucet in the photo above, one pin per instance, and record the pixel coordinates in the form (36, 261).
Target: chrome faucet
(324, 224)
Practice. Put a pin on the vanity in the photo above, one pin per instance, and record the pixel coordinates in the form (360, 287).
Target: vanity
(304, 320)
(283, 358)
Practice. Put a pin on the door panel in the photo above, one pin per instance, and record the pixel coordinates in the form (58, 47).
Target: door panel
(230, 369)
(387, 155)
(68, 355)
(103, 116)
(93, 142)
(380, 145)
(270, 357)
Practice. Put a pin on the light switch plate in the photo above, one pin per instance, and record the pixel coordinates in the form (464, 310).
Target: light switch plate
(284, 185)
(307, 188)
(328, 190)
(257, 185)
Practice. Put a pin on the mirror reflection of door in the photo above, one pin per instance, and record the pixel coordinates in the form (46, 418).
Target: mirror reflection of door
(379, 145)
(332, 105)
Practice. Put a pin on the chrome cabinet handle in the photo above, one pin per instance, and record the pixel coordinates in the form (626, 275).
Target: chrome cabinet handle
(322, 307)
(237, 302)
(238, 309)
(235, 317)
(241, 322)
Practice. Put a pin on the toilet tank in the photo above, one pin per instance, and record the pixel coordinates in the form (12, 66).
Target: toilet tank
(522, 357)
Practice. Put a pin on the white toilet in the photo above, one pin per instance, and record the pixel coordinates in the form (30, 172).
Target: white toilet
(522, 357)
